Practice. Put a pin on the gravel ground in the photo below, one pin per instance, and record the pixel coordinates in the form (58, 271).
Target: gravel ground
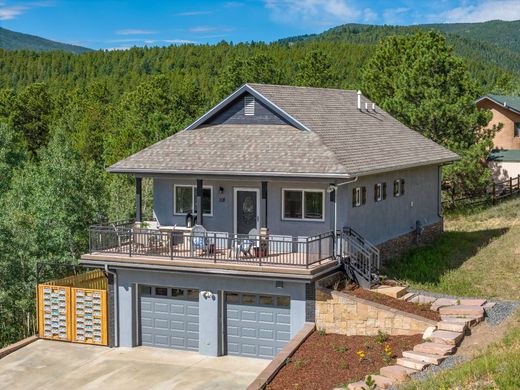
(446, 364)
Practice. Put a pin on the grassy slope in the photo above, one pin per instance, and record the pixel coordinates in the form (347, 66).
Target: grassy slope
(477, 256)
(497, 367)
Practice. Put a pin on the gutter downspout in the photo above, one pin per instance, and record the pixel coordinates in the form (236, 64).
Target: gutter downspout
(116, 305)
(335, 189)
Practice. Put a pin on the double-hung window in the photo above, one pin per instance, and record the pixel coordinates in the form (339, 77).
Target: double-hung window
(306, 205)
(359, 196)
(185, 199)
(398, 187)
(517, 129)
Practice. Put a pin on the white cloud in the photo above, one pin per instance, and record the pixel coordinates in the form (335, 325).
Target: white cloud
(313, 11)
(233, 4)
(369, 16)
(11, 12)
(178, 41)
(395, 15)
(194, 13)
(482, 10)
(202, 29)
(135, 31)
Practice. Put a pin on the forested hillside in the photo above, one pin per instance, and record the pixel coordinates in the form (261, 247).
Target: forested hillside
(12, 40)
(65, 117)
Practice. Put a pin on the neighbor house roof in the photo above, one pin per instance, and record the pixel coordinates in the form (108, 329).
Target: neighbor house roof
(510, 102)
(326, 135)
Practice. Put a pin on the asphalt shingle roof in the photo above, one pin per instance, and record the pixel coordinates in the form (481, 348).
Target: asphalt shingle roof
(342, 141)
(511, 102)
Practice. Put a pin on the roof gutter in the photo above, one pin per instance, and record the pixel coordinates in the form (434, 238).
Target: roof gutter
(230, 173)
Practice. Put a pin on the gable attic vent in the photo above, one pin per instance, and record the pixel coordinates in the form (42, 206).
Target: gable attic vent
(249, 105)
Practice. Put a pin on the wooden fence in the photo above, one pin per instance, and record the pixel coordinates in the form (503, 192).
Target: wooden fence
(492, 194)
(74, 309)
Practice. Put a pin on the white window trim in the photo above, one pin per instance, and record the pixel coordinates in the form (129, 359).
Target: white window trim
(399, 188)
(303, 190)
(380, 198)
(359, 196)
(194, 189)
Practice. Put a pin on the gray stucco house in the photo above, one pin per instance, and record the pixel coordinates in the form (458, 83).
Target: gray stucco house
(269, 191)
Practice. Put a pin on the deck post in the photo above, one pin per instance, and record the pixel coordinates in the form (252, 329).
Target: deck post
(138, 199)
(199, 202)
(511, 186)
(264, 204)
(494, 193)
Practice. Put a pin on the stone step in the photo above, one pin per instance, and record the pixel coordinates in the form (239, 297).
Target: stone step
(461, 311)
(396, 373)
(360, 385)
(381, 382)
(424, 357)
(489, 305)
(423, 299)
(469, 320)
(435, 349)
(443, 302)
(391, 291)
(408, 296)
(411, 363)
(453, 326)
(447, 337)
(472, 302)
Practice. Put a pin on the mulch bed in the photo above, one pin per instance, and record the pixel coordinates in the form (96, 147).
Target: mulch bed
(422, 310)
(325, 361)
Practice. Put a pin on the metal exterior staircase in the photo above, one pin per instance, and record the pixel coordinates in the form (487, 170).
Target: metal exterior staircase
(359, 257)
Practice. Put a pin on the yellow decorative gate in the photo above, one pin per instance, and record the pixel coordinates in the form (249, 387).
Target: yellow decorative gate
(74, 309)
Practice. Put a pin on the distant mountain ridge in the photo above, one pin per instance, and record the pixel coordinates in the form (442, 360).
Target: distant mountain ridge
(496, 42)
(12, 40)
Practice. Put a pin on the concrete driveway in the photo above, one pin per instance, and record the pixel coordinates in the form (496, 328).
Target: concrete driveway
(58, 365)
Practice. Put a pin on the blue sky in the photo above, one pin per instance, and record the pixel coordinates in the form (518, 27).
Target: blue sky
(121, 24)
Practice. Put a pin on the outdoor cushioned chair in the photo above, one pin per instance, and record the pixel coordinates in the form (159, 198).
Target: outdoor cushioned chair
(199, 240)
(245, 245)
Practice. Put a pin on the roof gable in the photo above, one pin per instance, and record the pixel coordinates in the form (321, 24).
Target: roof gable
(238, 93)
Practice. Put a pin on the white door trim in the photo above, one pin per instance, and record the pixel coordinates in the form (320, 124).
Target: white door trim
(235, 191)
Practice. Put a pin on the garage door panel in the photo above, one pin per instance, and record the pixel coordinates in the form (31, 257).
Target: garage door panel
(282, 318)
(266, 352)
(248, 315)
(266, 334)
(165, 321)
(255, 329)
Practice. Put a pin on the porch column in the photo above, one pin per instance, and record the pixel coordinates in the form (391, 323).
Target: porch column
(199, 201)
(263, 218)
(138, 199)
(333, 215)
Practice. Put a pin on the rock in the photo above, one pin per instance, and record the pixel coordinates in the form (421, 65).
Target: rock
(381, 382)
(396, 373)
(428, 332)
(453, 326)
(423, 357)
(412, 363)
(443, 302)
(447, 337)
(462, 310)
(434, 348)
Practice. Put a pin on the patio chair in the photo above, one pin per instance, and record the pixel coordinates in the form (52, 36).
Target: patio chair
(245, 245)
(199, 240)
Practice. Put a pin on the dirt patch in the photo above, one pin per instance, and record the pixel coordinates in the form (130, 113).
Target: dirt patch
(325, 361)
(422, 310)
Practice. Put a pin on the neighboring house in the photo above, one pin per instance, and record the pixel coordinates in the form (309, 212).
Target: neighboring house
(504, 160)
(271, 172)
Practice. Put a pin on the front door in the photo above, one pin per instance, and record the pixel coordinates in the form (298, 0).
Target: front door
(247, 215)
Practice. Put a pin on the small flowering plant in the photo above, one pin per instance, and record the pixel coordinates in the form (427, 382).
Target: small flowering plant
(388, 354)
(361, 354)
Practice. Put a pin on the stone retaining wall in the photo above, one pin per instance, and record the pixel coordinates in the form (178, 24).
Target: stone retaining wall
(395, 247)
(342, 313)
